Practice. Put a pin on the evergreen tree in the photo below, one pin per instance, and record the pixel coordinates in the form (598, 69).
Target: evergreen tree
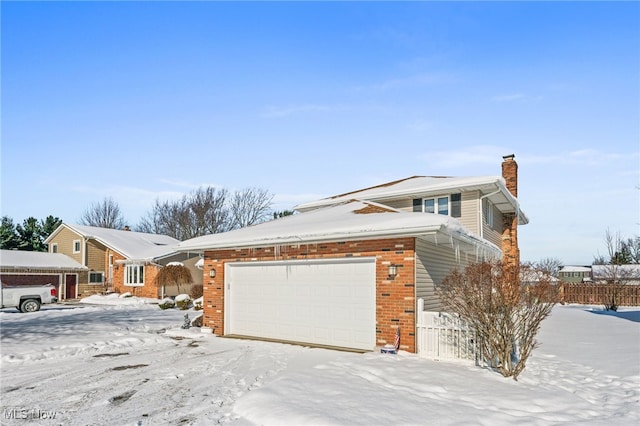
(30, 235)
(8, 234)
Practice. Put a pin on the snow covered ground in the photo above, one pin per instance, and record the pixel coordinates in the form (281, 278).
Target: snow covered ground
(127, 362)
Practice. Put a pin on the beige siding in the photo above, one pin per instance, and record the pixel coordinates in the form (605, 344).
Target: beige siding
(96, 257)
(493, 233)
(470, 206)
(405, 204)
(65, 239)
(433, 263)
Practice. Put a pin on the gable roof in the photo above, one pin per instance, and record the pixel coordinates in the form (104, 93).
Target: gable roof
(16, 259)
(493, 187)
(130, 244)
(349, 220)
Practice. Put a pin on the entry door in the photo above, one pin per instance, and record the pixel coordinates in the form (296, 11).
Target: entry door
(327, 302)
(70, 286)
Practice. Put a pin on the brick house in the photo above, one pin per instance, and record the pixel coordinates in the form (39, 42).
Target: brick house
(118, 260)
(347, 271)
(19, 268)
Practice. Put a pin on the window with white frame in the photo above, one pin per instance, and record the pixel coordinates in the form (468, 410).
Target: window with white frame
(488, 213)
(54, 248)
(96, 277)
(134, 275)
(76, 246)
(447, 205)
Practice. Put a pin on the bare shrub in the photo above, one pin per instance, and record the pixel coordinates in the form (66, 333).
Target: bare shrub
(196, 291)
(174, 274)
(505, 305)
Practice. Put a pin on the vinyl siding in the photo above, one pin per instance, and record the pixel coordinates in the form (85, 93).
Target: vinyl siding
(96, 257)
(493, 233)
(470, 203)
(65, 239)
(433, 263)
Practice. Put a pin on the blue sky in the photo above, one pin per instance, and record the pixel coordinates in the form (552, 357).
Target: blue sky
(146, 100)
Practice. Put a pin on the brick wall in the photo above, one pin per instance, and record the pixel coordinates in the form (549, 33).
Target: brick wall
(395, 298)
(149, 289)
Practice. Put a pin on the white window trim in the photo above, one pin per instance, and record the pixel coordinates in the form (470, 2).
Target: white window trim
(79, 243)
(435, 204)
(95, 273)
(54, 247)
(489, 216)
(137, 282)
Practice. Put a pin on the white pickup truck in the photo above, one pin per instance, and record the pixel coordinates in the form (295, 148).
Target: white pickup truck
(27, 298)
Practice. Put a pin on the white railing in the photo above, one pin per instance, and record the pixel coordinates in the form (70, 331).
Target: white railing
(445, 337)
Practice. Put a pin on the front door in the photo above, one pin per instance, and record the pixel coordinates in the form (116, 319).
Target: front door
(70, 286)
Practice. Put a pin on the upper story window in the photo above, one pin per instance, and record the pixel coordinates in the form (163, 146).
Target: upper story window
(449, 205)
(76, 246)
(134, 275)
(54, 248)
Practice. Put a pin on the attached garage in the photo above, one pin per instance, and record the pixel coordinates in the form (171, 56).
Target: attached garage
(322, 301)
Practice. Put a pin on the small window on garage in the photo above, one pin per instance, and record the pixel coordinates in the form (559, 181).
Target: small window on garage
(54, 248)
(96, 277)
(76, 246)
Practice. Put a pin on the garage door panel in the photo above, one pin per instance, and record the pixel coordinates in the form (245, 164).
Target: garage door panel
(329, 302)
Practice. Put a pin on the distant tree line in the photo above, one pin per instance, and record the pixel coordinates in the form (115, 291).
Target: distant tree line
(204, 211)
(29, 235)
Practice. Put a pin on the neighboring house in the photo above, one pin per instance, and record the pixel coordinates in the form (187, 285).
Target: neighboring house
(619, 274)
(37, 268)
(575, 274)
(117, 260)
(347, 270)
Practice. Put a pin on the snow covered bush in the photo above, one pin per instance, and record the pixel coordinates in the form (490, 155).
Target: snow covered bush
(505, 305)
(127, 294)
(167, 303)
(183, 301)
(197, 321)
(197, 303)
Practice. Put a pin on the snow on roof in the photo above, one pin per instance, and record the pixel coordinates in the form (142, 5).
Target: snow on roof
(350, 220)
(132, 245)
(37, 260)
(620, 271)
(421, 186)
(575, 269)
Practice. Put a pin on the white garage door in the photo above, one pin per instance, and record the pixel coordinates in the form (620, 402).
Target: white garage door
(328, 302)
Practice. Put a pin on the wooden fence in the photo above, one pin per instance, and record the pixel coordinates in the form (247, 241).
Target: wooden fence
(595, 294)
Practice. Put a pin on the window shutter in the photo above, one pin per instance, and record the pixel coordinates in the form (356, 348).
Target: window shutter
(417, 204)
(456, 205)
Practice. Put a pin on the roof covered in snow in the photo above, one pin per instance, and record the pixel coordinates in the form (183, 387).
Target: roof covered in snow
(618, 271)
(425, 186)
(132, 245)
(349, 220)
(17, 259)
(570, 268)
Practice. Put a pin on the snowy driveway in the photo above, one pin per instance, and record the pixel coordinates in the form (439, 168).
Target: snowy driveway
(97, 365)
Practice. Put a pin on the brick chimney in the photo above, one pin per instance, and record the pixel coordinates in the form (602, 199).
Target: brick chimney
(510, 250)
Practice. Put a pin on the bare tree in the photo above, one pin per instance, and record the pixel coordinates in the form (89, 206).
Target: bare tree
(616, 270)
(104, 214)
(201, 212)
(249, 207)
(550, 265)
(505, 312)
(174, 274)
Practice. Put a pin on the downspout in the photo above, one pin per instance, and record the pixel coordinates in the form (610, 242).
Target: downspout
(480, 222)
